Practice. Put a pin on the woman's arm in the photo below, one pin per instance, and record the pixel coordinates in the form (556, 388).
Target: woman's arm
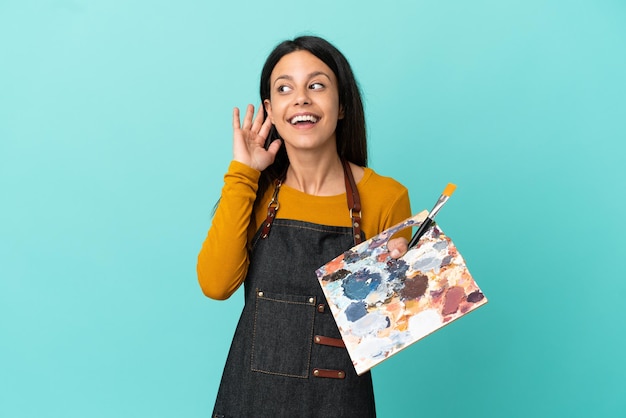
(223, 260)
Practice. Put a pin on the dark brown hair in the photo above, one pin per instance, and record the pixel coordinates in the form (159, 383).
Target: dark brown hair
(350, 131)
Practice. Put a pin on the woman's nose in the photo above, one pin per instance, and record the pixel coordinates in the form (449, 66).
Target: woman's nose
(303, 97)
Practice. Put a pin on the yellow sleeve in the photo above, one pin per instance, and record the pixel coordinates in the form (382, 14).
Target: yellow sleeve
(385, 203)
(223, 259)
(399, 210)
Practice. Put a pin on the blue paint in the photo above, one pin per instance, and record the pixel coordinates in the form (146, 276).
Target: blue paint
(356, 311)
(360, 284)
(396, 269)
(441, 245)
(427, 263)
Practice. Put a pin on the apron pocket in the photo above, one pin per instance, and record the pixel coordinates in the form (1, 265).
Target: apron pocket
(283, 334)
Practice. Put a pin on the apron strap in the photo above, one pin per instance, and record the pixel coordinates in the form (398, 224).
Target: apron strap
(354, 202)
(352, 194)
(272, 208)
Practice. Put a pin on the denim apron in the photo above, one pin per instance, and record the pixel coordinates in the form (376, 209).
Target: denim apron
(287, 358)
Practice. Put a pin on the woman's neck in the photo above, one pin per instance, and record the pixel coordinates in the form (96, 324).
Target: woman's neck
(315, 175)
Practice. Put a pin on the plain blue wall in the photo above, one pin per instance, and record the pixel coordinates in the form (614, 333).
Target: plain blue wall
(115, 132)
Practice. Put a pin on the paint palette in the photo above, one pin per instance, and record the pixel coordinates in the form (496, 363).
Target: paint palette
(382, 305)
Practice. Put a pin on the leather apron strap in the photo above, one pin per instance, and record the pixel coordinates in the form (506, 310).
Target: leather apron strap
(272, 208)
(352, 194)
(354, 202)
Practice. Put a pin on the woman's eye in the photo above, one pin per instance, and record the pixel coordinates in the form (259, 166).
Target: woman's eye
(284, 89)
(316, 86)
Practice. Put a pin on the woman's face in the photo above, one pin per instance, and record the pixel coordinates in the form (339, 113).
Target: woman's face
(304, 102)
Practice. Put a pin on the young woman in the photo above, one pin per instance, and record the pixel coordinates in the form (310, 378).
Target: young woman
(296, 195)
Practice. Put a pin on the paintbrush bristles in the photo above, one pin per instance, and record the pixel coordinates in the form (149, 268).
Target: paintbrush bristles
(449, 189)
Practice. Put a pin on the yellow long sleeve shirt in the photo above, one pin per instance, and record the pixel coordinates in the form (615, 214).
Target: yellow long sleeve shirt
(224, 257)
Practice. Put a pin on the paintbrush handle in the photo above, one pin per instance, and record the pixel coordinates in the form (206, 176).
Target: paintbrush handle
(447, 192)
(420, 231)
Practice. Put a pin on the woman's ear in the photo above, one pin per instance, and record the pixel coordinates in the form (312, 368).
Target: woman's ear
(341, 115)
(268, 108)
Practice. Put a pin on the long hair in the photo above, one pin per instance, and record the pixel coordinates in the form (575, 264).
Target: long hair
(350, 131)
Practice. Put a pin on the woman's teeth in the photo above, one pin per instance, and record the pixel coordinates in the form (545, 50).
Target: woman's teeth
(303, 118)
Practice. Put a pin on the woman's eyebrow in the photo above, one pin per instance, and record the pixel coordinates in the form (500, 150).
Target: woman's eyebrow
(283, 77)
(316, 73)
(311, 75)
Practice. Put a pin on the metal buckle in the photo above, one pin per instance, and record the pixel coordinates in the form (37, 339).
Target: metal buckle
(274, 200)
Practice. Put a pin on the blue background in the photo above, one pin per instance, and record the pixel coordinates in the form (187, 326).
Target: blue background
(115, 132)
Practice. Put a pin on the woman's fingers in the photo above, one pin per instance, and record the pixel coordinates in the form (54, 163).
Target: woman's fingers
(397, 247)
(265, 128)
(236, 120)
(256, 126)
(249, 139)
(247, 119)
(258, 120)
(274, 147)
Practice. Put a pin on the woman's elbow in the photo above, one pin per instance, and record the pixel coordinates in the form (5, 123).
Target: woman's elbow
(215, 294)
(212, 291)
(214, 288)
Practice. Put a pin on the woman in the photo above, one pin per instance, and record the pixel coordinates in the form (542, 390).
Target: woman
(296, 195)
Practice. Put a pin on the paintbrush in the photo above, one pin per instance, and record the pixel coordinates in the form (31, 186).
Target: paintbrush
(447, 192)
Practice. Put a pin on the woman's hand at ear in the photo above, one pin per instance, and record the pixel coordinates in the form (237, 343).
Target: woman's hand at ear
(249, 139)
(397, 247)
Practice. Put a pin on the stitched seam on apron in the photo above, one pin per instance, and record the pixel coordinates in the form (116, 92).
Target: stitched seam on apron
(308, 362)
(285, 301)
(319, 229)
(331, 229)
(281, 374)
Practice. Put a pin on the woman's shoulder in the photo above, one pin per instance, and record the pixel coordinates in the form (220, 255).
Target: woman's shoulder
(374, 182)
(385, 202)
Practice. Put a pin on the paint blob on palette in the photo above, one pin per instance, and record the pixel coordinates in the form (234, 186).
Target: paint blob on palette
(382, 305)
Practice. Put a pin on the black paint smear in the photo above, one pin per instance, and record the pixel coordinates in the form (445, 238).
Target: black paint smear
(476, 296)
(351, 256)
(338, 275)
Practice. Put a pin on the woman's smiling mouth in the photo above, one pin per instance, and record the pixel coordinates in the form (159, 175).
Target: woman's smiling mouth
(308, 118)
